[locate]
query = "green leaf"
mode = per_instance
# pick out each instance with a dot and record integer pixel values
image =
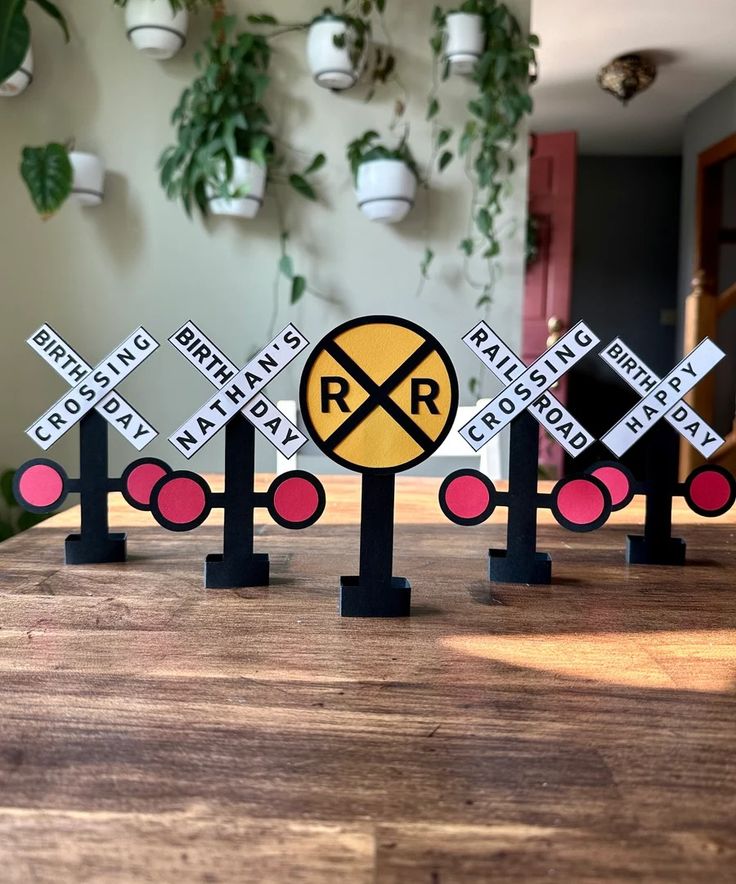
(53, 10)
(298, 287)
(467, 246)
(433, 108)
(445, 160)
(15, 37)
(6, 488)
(482, 301)
(286, 266)
(444, 136)
(303, 187)
(262, 20)
(316, 164)
(426, 262)
(47, 172)
(484, 221)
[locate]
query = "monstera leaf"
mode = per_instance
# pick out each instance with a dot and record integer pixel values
(15, 32)
(47, 172)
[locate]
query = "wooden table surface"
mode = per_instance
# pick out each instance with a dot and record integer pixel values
(152, 731)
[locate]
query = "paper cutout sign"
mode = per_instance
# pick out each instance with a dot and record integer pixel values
(680, 416)
(577, 504)
(182, 500)
(238, 392)
(92, 389)
(664, 399)
(660, 411)
(41, 485)
(378, 395)
(526, 388)
(65, 361)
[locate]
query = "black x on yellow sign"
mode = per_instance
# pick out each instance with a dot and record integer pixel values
(379, 394)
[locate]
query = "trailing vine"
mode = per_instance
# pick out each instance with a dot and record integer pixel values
(496, 112)
(222, 116)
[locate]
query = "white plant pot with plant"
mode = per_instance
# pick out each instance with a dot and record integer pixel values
(223, 147)
(336, 52)
(385, 179)
(245, 190)
(21, 79)
(16, 57)
(465, 40)
(54, 173)
(88, 178)
(155, 27)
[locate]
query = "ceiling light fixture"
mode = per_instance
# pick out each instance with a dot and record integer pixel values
(627, 76)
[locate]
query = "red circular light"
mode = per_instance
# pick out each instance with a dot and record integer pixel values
(616, 481)
(710, 491)
(41, 485)
(141, 480)
(581, 502)
(467, 497)
(296, 500)
(181, 500)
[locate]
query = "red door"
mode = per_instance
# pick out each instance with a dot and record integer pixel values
(552, 179)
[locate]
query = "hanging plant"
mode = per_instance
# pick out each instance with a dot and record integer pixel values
(54, 172)
(225, 151)
(340, 45)
(498, 65)
(385, 178)
(158, 28)
(15, 33)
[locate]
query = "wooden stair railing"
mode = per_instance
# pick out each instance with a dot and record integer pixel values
(703, 311)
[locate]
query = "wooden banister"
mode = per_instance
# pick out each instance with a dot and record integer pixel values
(726, 300)
(701, 321)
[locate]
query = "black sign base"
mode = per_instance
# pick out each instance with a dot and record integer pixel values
(529, 570)
(669, 551)
(234, 572)
(94, 550)
(360, 600)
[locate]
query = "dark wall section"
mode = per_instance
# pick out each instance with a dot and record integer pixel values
(625, 275)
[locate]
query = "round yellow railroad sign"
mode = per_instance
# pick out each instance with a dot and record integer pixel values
(379, 394)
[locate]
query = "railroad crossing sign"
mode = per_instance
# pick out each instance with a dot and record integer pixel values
(239, 390)
(508, 368)
(527, 387)
(181, 501)
(91, 387)
(524, 402)
(41, 485)
(708, 491)
(378, 395)
(662, 398)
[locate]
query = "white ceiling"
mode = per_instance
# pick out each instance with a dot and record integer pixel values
(693, 40)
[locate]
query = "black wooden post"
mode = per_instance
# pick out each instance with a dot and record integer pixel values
(375, 592)
(238, 565)
(520, 562)
(94, 544)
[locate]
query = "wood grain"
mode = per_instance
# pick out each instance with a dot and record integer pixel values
(154, 732)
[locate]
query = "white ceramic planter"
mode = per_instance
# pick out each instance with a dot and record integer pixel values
(386, 190)
(88, 184)
(465, 41)
(332, 66)
(21, 79)
(154, 29)
(248, 186)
